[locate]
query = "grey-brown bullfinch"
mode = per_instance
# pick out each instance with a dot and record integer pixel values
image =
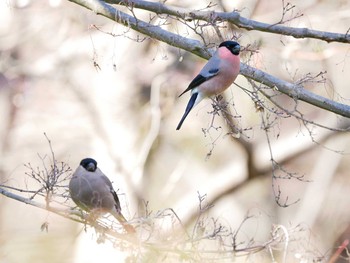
(93, 192)
(215, 77)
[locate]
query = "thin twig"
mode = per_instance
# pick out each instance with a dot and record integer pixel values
(295, 91)
(235, 18)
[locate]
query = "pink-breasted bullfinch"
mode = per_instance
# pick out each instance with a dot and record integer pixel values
(215, 77)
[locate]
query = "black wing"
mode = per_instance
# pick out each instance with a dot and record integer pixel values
(199, 79)
(116, 199)
(115, 196)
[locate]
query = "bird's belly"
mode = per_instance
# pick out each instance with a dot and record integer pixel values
(216, 85)
(89, 199)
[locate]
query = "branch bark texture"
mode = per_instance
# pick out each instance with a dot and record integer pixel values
(295, 91)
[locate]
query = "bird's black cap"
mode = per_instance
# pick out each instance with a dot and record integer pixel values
(89, 164)
(233, 46)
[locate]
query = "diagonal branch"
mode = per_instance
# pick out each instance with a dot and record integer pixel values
(66, 213)
(234, 18)
(29, 201)
(156, 32)
(297, 92)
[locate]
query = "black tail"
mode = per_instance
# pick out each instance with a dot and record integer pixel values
(188, 109)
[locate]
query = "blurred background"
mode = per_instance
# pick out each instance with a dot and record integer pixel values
(99, 90)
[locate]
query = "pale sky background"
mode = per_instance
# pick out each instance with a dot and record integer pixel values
(48, 83)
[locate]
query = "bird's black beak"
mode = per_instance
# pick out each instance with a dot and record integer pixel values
(91, 167)
(236, 49)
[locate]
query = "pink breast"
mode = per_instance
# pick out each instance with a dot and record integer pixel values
(229, 69)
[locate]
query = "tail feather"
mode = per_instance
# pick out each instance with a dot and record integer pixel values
(189, 107)
(128, 228)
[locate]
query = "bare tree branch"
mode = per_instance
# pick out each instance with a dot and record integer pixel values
(140, 26)
(235, 18)
(67, 213)
(295, 91)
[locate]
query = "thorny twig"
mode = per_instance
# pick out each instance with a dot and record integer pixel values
(206, 231)
(194, 46)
